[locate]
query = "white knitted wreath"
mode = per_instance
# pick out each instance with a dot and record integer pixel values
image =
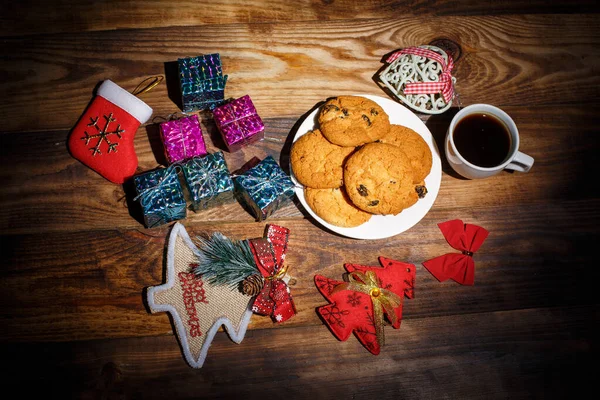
(410, 68)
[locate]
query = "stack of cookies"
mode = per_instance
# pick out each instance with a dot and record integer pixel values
(356, 164)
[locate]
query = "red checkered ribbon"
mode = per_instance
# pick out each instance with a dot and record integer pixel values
(444, 83)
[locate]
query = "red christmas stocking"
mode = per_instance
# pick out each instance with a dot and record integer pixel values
(102, 139)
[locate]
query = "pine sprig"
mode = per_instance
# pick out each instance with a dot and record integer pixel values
(222, 261)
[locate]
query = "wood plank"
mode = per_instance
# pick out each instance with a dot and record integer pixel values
(519, 354)
(44, 189)
(76, 260)
(526, 60)
(29, 17)
(90, 284)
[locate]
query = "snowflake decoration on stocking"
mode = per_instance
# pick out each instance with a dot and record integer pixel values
(102, 134)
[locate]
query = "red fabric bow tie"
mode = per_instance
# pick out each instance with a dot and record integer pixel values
(459, 267)
(269, 254)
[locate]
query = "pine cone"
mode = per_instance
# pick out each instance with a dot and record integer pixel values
(252, 285)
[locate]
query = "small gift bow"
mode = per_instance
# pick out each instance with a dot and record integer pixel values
(238, 112)
(444, 83)
(382, 299)
(267, 175)
(274, 298)
(182, 135)
(274, 182)
(459, 267)
(205, 176)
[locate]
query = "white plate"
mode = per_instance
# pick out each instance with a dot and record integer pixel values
(383, 226)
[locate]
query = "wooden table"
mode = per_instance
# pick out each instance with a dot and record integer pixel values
(75, 263)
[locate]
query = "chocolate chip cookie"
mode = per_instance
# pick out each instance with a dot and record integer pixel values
(316, 162)
(352, 121)
(379, 179)
(415, 148)
(334, 207)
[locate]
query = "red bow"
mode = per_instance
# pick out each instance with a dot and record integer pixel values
(444, 83)
(274, 298)
(459, 267)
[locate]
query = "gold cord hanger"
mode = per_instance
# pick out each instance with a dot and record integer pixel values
(154, 81)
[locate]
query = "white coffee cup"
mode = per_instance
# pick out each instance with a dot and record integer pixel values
(515, 160)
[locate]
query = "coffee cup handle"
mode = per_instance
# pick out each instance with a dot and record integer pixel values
(521, 162)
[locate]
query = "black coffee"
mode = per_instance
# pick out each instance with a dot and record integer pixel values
(482, 139)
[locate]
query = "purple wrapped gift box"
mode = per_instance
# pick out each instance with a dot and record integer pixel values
(183, 138)
(239, 123)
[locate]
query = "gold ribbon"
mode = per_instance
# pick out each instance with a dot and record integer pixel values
(155, 80)
(382, 299)
(279, 275)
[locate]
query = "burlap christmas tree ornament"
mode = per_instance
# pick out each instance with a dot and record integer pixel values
(197, 307)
